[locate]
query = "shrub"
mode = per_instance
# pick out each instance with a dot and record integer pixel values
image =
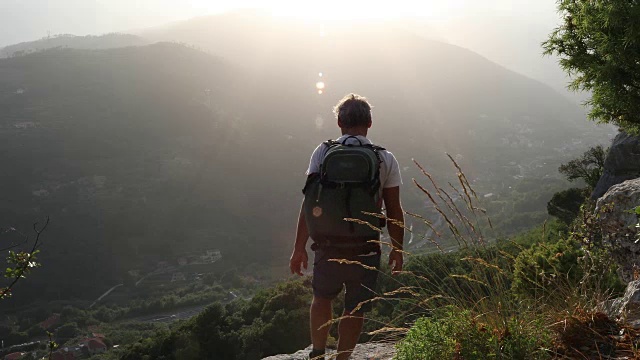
(453, 333)
(546, 268)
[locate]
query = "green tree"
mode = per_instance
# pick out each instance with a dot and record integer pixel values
(588, 167)
(565, 205)
(599, 45)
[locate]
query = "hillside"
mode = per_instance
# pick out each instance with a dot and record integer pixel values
(107, 41)
(140, 154)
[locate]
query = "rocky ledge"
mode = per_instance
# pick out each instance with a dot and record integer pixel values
(368, 351)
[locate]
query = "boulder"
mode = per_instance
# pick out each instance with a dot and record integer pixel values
(618, 222)
(622, 163)
(626, 308)
(367, 351)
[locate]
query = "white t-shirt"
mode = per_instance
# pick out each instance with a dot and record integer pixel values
(389, 168)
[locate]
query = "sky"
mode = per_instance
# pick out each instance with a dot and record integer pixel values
(25, 20)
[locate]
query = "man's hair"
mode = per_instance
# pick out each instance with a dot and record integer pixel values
(353, 111)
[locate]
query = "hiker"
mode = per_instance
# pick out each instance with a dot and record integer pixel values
(347, 178)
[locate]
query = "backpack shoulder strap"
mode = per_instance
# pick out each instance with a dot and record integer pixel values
(331, 143)
(376, 149)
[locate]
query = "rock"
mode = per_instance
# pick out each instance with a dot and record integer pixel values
(618, 222)
(626, 307)
(622, 163)
(367, 351)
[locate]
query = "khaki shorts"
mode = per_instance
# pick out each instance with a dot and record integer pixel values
(329, 278)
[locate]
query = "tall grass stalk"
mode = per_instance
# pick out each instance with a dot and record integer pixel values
(464, 297)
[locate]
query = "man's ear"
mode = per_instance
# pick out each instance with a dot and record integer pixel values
(369, 124)
(339, 123)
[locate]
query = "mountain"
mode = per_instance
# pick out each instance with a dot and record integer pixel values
(107, 41)
(514, 42)
(143, 153)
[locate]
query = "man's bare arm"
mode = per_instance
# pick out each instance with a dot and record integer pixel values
(299, 257)
(302, 233)
(395, 213)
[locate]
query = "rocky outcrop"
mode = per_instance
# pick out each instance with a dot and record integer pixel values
(368, 351)
(626, 308)
(622, 163)
(618, 222)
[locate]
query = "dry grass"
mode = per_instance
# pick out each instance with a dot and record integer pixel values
(484, 286)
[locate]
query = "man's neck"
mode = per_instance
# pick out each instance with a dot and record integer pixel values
(354, 131)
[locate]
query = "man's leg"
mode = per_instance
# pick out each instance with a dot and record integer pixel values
(320, 313)
(349, 331)
(358, 295)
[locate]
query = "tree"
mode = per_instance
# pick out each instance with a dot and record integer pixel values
(588, 167)
(599, 45)
(565, 205)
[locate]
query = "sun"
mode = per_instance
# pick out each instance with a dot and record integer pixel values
(340, 10)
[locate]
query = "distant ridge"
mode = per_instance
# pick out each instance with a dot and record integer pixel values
(107, 41)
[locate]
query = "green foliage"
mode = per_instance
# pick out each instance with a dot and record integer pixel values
(21, 263)
(588, 167)
(544, 269)
(68, 331)
(565, 205)
(453, 333)
(274, 321)
(598, 44)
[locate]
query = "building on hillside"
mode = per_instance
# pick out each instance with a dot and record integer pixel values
(14, 356)
(211, 256)
(50, 322)
(24, 125)
(93, 346)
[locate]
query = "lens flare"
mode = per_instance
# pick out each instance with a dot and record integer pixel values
(320, 85)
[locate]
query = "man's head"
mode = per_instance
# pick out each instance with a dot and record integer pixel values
(353, 112)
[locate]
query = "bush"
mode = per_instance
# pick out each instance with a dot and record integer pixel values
(546, 268)
(454, 333)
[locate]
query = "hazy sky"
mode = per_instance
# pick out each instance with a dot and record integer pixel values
(24, 20)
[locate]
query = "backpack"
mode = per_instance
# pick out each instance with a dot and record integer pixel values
(346, 187)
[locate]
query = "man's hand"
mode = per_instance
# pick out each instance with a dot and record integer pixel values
(299, 259)
(395, 260)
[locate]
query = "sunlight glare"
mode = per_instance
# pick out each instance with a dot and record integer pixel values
(334, 10)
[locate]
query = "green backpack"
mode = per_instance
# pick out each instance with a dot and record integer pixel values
(346, 187)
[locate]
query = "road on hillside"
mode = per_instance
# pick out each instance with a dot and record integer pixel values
(178, 314)
(170, 316)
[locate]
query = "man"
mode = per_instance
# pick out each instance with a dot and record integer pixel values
(353, 113)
